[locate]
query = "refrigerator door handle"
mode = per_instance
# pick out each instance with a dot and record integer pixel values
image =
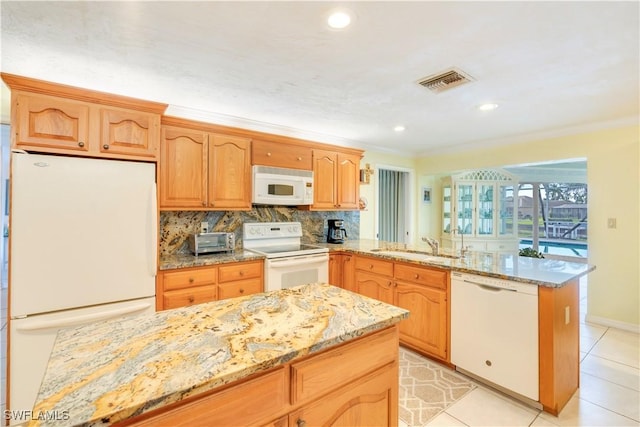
(83, 319)
(152, 250)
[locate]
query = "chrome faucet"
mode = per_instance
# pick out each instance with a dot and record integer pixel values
(463, 250)
(433, 243)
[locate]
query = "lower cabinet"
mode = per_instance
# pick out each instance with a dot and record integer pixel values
(424, 291)
(341, 270)
(353, 384)
(188, 286)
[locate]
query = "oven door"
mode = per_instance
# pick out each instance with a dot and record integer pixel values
(282, 273)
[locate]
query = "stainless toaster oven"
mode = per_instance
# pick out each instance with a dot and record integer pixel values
(206, 243)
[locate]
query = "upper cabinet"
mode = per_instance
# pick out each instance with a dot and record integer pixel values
(201, 170)
(52, 118)
(281, 155)
(479, 207)
(336, 177)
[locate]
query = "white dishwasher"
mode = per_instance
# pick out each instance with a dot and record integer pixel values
(494, 331)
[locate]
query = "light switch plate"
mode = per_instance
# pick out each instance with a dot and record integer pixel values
(611, 222)
(204, 227)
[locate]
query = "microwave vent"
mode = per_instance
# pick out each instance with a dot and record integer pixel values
(446, 80)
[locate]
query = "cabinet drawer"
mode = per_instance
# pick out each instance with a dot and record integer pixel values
(189, 278)
(239, 271)
(250, 403)
(240, 288)
(422, 275)
(373, 265)
(281, 155)
(189, 296)
(326, 372)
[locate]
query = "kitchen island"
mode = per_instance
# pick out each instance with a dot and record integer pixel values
(293, 354)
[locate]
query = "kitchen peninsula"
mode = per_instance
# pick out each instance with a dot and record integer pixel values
(302, 354)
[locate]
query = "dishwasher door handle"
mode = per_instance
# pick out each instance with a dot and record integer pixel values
(489, 287)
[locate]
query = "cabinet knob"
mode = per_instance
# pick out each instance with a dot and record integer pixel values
(417, 276)
(370, 266)
(191, 279)
(301, 422)
(191, 298)
(268, 154)
(105, 146)
(299, 158)
(80, 144)
(241, 291)
(241, 273)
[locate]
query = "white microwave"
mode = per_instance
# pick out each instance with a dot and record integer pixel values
(279, 186)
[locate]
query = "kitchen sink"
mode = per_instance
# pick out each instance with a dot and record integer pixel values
(415, 255)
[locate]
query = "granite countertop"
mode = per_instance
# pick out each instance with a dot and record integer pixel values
(112, 370)
(503, 265)
(168, 262)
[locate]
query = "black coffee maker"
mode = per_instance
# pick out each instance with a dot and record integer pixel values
(336, 232)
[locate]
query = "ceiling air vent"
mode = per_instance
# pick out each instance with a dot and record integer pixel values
(447, 80)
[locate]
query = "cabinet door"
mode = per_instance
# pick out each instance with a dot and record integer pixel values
(335, 269)
(325, 170)
(426, 328)
(485, 210)
(280, 155)
(348, 181)
(49, 123)
(348, 273)
(372, 401)
(129, 132)
(229, 172)
(183, 168)
(465, 206)
(374, 286)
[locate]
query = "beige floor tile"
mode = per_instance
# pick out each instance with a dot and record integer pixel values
(619, 346)
(592, 331)
(482, 407)
(614, 372)
(541, 421)
(445, 420)
(619, 399)
(579, 412)
(587, 343)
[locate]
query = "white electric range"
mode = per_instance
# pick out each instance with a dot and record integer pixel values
(288, 262)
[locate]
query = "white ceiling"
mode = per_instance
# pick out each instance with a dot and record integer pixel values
(554, 67)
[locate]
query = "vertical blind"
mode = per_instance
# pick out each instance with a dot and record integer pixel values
(391, 214)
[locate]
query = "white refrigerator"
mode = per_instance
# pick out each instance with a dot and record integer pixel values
(83, 247)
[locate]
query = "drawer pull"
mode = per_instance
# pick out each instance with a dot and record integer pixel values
(191, 280)
(241, 273)
(417, 276)
(80, 144)
(370, 266)
(191, 298)
(268, 154)
(105, 146)
(299, 158)
(301, 422)
(241, 291)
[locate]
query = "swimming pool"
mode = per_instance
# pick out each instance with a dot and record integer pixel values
(558, 248)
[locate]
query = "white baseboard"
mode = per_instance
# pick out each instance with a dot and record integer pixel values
(604, 321)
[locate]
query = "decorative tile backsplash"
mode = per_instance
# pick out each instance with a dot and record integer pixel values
(176, 226)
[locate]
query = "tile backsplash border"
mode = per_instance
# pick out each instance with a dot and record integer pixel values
(176, 226)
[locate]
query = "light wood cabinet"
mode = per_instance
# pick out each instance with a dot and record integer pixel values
(424, 291)
(183, 170)
(59, 119)
(281, 155)
(188, 286)
(336, 180)
(353, 384)
(341, 270)
(200, 170)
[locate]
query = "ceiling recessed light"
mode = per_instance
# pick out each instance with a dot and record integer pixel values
(339, 20)
(399, 128)
(487, 107)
